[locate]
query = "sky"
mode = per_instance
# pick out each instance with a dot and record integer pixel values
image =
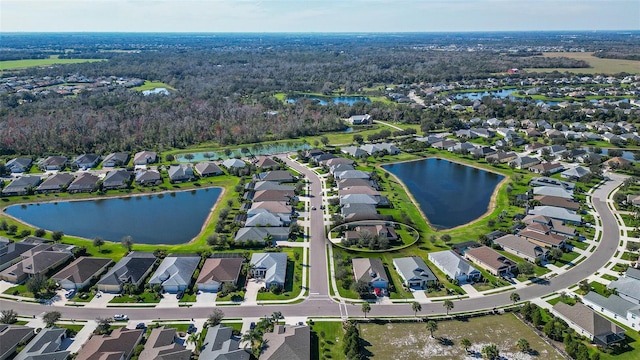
(316, 15)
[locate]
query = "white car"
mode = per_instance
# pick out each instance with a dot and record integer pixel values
(120, 317)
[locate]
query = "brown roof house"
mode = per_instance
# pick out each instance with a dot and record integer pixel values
(81, 272)
(115, 346)
(491, 260)
(161, 345)
(521, 247)
(144, 158)
(617, 162)
(587, 322)
(216, 271)
(372, 272)
(287, 342)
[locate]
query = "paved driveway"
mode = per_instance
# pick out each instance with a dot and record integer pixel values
(251, 295)
(205, 299)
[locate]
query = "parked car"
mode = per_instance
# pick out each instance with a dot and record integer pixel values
(120, 317)
(141, 326)
(313, 208)
(192, 328)
(70, 294)
(252, 325)
(180, 294)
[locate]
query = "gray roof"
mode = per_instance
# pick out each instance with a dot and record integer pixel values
(553, 191)
(56, 182)
(82, 269)
(175, 271)
(520, 245)
(632, 273)
(12, 251)
(355, 208)
(219, 344)
(116, 178)
(11, 335)
(275, 265)
(161, 345)
(626, 286)
(269, 185)
(208, 168)
(179, 172)
(576, 172)
(352, 174)
(587, 319)
(276, 175)
(358, 199)
(144, 157)
(260, 233)
(229, 163)
(556, 213)
(613, 303)
(287, 342)
(44, 346)
(263, 218)
(547, 181)
(452, 264)
(413, 268)
(54, 161)
(86, 159)
(85, 181)
(130, 268)
(21, 184)
(19, 163)
(147, 175)
(118, 158)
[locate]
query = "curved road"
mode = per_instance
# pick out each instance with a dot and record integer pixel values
(319, 303)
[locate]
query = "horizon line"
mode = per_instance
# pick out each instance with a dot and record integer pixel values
(318, 32)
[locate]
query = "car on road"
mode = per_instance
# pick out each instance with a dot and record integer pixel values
(313, 208)
(141, 326)
(120, 317)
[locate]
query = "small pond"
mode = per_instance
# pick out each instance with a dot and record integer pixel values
(448, 193)
(349, 100)
(262, 149)
(166, 218)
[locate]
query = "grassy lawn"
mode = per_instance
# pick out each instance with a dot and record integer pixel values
(598, 65)
(412, 341)
(579, 244)
(609, 277)
(74, 327)
(145, 297)
(566, 258)
(326, 340)
(19, 290)
(293, 284)
(52, 60)
(150, 85)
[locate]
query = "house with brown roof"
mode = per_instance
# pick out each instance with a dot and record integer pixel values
(502, 157)
(540, 234)
(287, 342)
(205, 169)
(548, 200)
(273, 195)
(617, 162)
(217, 271)
(521, 247)
(161, 345)
(145, 157)
(81, 272)
(590, 324)
(53, 163)
(491, 260)
(265, 162)
(275, 207)
(117, 345)
(372, 272)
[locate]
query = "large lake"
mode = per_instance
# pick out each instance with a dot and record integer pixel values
(449, 194)
(168, 218)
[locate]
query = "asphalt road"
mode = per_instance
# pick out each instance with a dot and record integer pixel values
(320, 305)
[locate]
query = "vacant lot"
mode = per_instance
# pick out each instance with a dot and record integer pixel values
(21, 64)
(598, 65)
(412, 340)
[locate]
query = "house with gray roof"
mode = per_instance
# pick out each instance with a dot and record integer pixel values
(148, 177)
(524, 162)
(120, 344)
(548, 181)
(265, 162)
(575, 173)
(45, 346)
(145, 158)
(174, 272)
(557, 213)
(352, 174)
(267, 185)
(270, 266)
(86, 161)
(553, 191)
(217, 271)
(85, 182)
(590, 324)
(358, 199)
(21, 185)
(162, 345)
(547, 168)
(454, 266)
(116, 179)
(380, 147)
(38, 260)
(19, 165)
(372, 272)
(53, 163)
(11, 252)
(340, 167)
(115, 159)
(414, 272)
(520, 247)
(233, 163)
(276, 175)
(357, 208)
(55, 183)
(131, 269)
(180, 173)
(354, 151)
(628, 286)
(220, 344)
(287, 342)
(81, 272)
(360, 119)
(615, 308)
(206, 169)
(263, 218)
(259, 234)
(11, 336)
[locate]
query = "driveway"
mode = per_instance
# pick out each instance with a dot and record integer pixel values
(205, 299)
(251, 295)
(168, 301)
(420, 296)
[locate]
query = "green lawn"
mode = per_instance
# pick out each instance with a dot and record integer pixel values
(326, 340)
(293, 284)
(53, 60)
(145, 297)
(150, 85)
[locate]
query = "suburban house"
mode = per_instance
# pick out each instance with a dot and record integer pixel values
(38, 260)
(521, 247)
(19, 165)
(590, 324)
(540, 235)
(575, 173)
(233, 163)
(360, 119)
(81, 272)
(261, 234)
(205, 169)
(275, 207)
(338, 161)
(544, 181)
(546, 200)
(547, 168)
(352, 174)
(454, 266)
(263, 218)
(502, 157)
(148, 177)
(145, 158)
(115, 159)
(11, 252)
(380, 147)
(550, 225)
(180, 173)
(276, 175)
(266, 185)
(287, 342)
(265, 162)
(216, 271)
(11, 336)
(628, 286)
(272, 267)
(53, 163)
(55, 183)
(131, 269)
(161, 345)
(553, 191)
(117, 345)
(557, 213)
(491, 260)
(414, 272)
(220, 344)
(85, 182)
(371, 271)
(116, 179)
(283, 218)
(22, 185)
(86, 161)
(45, 346)
(354, 151)
(633, 199)
(614, 307)
(524, 162)
(174, 272)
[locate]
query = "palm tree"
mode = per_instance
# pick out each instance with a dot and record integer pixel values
(515, 297)
(432, 327)
(193, 339)
(366, 308)
(466, 344)
(415, 306)
(490, 352)
(253, 337)
(448, 304)
(523, 345)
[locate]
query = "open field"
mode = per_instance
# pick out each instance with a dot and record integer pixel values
(412, 340)
(598, 65)
(150, 85)
(53, 60)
